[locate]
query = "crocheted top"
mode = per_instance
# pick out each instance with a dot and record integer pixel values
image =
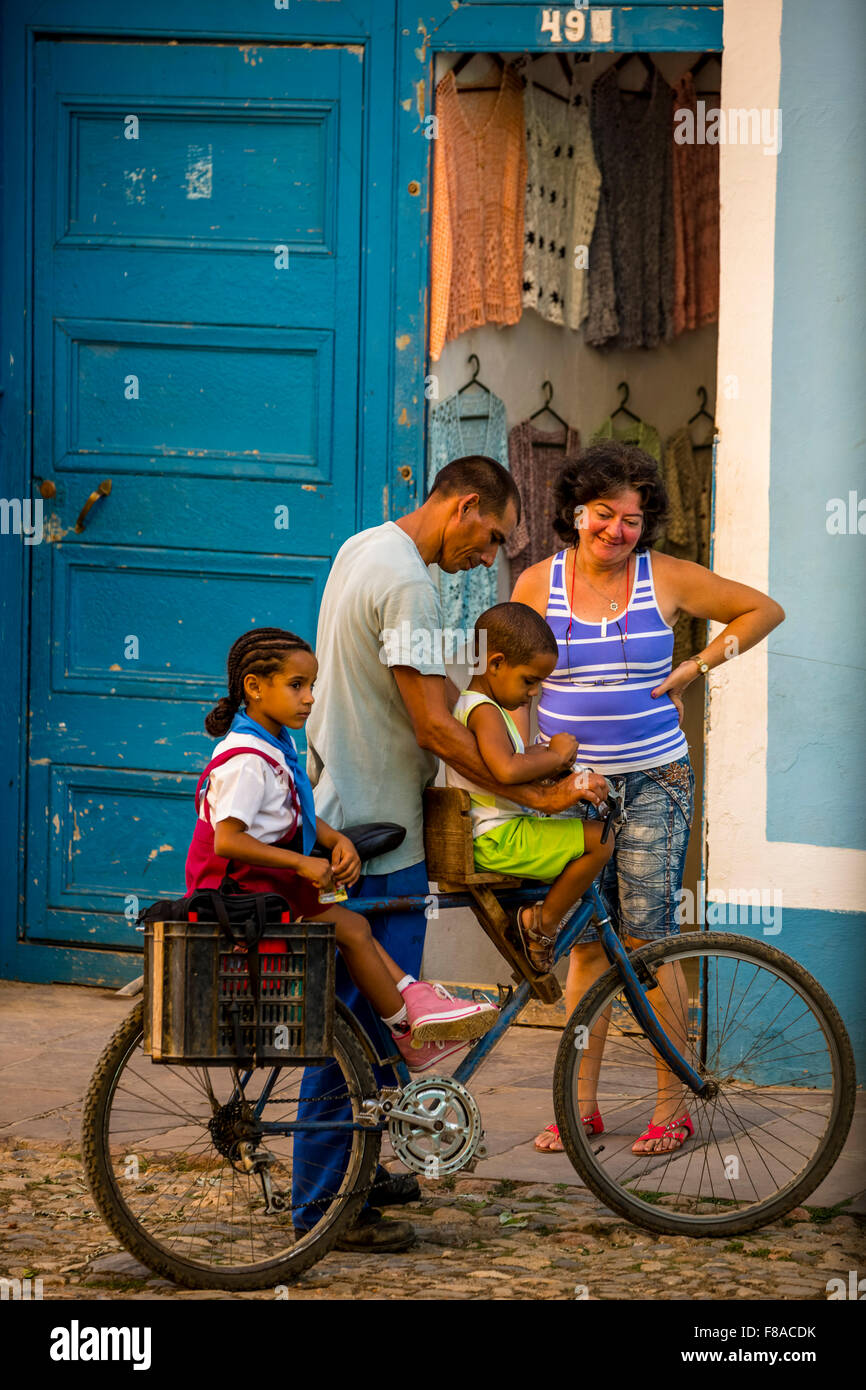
(696, 223)
(457, 428)
(536, 463)
(479, 187)
(632, 432)
(631, 261)
(686, 470)
(562, 191)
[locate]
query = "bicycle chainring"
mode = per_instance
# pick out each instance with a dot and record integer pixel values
(457, 1137)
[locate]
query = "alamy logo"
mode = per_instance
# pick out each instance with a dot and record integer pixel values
(77, 1343)
(18, 1289)
(22, 517)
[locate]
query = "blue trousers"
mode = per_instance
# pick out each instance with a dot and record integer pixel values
(320, 1157)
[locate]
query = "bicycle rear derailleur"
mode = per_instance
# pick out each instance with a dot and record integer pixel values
(434, 1125)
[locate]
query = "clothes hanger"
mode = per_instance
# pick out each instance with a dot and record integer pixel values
(702, 62)
(465, 59)
(702, 397)
(545, 385)
(621, 408)
(473, 381)
(649, 65)
(573, 100)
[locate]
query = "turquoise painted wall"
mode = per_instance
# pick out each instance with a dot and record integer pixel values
(816, 790)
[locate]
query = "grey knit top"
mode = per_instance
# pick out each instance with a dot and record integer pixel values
(631, 259)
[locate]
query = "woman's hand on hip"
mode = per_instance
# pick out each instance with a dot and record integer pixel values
(675, 684)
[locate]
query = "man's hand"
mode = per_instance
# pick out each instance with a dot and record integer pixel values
(565, 747)
(345, 862)
(581, 786)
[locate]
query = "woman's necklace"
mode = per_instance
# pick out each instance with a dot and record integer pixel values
(614, 603)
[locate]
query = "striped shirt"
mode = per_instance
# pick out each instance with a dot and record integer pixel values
(619, 727)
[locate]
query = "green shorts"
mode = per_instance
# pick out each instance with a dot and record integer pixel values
(530, 847)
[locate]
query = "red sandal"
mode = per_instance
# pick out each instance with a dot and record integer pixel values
(592, 1124)
(668, 1131)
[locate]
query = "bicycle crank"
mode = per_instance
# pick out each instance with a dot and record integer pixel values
(435, 1129)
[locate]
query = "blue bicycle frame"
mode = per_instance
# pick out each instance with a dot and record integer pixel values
(590, 906)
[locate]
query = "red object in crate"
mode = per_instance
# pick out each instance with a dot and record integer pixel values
(271, 947)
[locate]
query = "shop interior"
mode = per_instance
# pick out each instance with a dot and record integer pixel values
(545, 372)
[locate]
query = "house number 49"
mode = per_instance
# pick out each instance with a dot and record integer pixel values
(574, 22)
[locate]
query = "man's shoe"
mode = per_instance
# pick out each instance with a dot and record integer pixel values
(370, 1235)
(393, 1189)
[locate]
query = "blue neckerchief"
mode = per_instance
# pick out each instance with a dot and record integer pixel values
(242, 724)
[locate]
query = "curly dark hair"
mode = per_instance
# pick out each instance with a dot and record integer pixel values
(603, 470)
(260, 652)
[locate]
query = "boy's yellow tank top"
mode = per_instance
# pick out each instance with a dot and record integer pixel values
(488, 811)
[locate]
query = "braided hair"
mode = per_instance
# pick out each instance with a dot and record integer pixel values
(260, 652)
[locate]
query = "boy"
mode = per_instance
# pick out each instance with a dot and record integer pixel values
(521, 654)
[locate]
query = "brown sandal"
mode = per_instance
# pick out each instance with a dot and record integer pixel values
(537, 945)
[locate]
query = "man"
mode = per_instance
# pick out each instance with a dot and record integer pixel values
(382, 718)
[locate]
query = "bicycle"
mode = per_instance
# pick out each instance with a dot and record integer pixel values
(195, 1181)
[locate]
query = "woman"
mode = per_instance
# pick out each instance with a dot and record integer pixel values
(612, 604)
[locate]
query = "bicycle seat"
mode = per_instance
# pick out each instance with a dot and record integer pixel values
(370, 839)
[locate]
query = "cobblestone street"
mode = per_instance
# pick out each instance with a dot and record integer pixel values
(498, 1234)
(481, 1239)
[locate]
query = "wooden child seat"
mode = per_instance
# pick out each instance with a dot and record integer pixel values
(451, 865)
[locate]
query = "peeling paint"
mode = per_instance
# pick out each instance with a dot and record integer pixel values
(403, 418)
(403, 341)
(55, 820)
(420, 97)
(407, 104)
(385, 502)
(309, 487)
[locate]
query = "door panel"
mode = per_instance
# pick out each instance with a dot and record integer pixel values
(217, 390)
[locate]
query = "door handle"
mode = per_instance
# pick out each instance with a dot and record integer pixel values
(102, 491)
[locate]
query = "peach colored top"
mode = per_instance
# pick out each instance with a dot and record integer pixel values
(479, 187)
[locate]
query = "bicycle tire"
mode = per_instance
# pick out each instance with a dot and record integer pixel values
(579, 1147)
(121, 1221)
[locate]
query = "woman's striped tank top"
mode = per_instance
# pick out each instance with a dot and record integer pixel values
(619, 727)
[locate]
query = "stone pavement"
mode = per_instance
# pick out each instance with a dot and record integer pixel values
(521, 1227)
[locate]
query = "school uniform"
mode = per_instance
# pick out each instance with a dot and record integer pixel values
(254, 777)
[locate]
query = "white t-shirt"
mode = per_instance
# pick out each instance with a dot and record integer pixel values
(380, 609)
(246, 788)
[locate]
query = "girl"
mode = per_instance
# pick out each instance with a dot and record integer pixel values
(258, 821)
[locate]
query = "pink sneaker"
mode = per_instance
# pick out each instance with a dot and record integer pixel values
(434, 1014)
(431, 1054)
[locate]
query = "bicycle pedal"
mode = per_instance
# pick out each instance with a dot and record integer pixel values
(645, 975)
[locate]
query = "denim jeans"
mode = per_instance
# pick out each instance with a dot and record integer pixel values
(641, 881)
(320, 1157)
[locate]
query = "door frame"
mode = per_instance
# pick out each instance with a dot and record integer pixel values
(23, 23)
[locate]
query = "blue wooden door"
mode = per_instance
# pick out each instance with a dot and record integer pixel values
(196, 329)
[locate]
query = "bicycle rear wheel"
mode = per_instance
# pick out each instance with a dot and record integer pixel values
(772, 1042)
(190, 1185)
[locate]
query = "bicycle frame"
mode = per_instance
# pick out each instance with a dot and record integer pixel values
(590, 906)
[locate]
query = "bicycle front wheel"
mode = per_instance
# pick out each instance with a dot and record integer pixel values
(192, 1185)
(768, 1037)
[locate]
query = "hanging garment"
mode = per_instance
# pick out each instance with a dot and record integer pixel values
(536, 463)
(631, 260)
(562, 192)
(632, 432)
(479, 187)
(687, 475)
(454, 433)
(696, 221)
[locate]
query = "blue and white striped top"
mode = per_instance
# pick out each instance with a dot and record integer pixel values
(620, 728)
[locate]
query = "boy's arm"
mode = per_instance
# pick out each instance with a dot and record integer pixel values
(437, 731)
(498, 752)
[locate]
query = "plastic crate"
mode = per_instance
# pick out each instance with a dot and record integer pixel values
(199, 1006)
